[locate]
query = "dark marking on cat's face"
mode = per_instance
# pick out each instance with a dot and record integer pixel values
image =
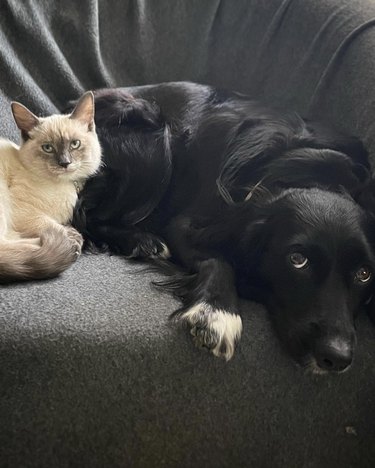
(63, 145)
(64, 151)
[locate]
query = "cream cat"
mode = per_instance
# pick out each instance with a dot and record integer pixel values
(38, 190)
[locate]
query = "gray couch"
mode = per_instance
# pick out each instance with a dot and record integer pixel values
(92, 373)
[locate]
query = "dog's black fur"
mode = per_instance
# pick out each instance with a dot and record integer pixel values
(242, 195)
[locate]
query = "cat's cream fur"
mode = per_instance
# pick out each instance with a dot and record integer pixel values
(38, 190)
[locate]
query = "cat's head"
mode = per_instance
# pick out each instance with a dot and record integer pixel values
(63, 146)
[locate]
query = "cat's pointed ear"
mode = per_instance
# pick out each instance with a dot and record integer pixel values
(24, 118)
(84, 110)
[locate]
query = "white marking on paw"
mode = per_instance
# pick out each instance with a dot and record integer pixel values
(225, 326)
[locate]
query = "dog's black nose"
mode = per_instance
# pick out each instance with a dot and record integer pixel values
(334, 354)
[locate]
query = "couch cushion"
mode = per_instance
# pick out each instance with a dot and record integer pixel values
(94, 374)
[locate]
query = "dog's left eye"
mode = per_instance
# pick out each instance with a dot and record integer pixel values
(363, 275)
(298, 260)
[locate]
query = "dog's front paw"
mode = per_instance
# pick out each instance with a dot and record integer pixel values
(212, 328)
(149, 246)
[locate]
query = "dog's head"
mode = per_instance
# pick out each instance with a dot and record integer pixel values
(312, 251)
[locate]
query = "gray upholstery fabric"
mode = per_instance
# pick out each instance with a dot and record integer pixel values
(92, 374)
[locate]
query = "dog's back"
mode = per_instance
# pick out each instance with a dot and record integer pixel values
(195, 141)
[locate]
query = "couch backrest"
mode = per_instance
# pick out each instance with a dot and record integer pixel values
(316, 56)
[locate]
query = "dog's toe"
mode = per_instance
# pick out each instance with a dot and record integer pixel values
(205, 337)
(215, 329)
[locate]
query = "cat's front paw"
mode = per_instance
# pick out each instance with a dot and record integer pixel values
(76, 239)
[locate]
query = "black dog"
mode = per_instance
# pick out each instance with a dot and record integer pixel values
(249, 200)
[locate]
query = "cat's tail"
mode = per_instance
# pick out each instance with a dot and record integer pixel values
(23, 260)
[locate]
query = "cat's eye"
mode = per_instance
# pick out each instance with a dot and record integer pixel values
(47, 148)
(75, 144)
(363, 275)
(298, 260)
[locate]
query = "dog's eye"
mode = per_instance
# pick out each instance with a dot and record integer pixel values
(298, 260)
(363, 275)
(75, 144)
(47, 148)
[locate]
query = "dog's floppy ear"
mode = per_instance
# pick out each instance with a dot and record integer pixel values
(254, 237)
(252, 145)
(255, 227)
(286, 153)
(321, 136)
(311, 167)
(249, 252)
(239, 230)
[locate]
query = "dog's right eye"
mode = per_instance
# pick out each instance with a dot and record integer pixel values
(363, 275)
(298, 260)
